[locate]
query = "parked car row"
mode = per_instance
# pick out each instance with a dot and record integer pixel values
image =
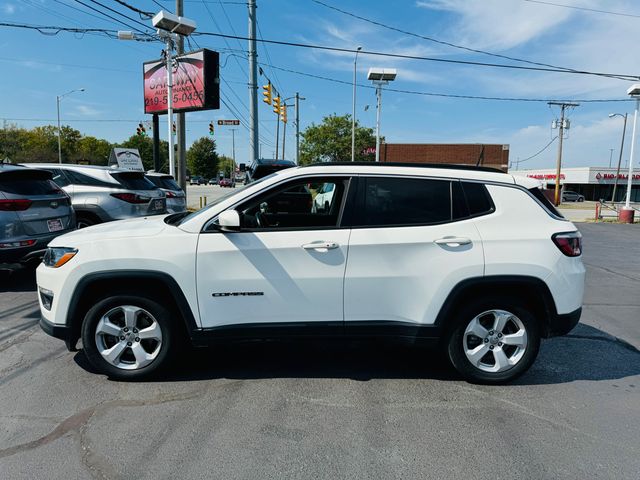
(40, 201)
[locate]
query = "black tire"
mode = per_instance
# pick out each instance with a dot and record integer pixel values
(455, 347)
(159, 313)
(83, 221)
(580, 199)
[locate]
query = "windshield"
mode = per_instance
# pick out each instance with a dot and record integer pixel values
(180, 218)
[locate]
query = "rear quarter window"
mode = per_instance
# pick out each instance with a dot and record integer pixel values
(546, 204)
(478, 199)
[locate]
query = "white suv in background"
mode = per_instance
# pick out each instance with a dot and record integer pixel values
(472, 259)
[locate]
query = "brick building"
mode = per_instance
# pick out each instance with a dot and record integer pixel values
(496, 156)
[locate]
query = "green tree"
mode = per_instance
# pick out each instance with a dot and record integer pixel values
(202, 158)
(226, 165)
(144, 145)
(95, 150)
(331, 141)
(13, 142)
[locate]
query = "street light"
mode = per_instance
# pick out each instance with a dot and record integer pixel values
(353, 114)
(58, 98)
(624, 129)
(169, 26)
(626, 214)
(380, 77)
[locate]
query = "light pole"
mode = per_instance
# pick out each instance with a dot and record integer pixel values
(624, 129)
(169, 26)
(353, 114)
(626, 214)
(58, 98)
(380, 77)
(610, 156)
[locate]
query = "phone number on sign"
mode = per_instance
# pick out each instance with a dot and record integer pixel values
(185, 97)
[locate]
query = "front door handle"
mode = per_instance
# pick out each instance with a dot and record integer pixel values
(453, 241)
(320, 246)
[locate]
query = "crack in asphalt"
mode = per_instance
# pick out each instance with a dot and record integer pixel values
(77, 424)
(18, 339)
(613, 272)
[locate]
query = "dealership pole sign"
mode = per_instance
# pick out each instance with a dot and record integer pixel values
(196, 83)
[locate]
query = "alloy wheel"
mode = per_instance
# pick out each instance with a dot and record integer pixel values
(128, 337)
(495, 341)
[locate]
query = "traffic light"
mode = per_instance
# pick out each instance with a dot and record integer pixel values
(211, 128)
(283, 113)
(276, 105)
(141, 130)
(267, 93)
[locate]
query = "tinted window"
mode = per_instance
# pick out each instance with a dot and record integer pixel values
(536, 192)
(293, 206)
(478, 198)
(134, 181)
(25, 182)
(164, 182)
(403, 201)
(78, 178)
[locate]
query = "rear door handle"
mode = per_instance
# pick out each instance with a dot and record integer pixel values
(320, 246)
(453, 241)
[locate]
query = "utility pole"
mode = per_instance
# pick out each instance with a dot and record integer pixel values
(156, 142)
(610, 156)
(615, 185)
(253, 83)
(298, 98)
(563, 106)
(233, 145)
(181, 130)
(284, 134)
(277, 134)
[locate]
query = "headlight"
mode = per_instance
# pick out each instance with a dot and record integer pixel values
(57, 256)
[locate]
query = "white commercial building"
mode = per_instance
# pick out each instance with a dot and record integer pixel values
(594, 183)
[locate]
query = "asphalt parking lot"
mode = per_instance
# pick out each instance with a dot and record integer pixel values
(334, 411)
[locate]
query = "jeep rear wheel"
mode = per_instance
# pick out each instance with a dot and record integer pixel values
(494, 341)
(127, 337)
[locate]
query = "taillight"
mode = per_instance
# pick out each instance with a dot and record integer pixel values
(131, 197)
(21, 243)
(15, 205)
(569, 243)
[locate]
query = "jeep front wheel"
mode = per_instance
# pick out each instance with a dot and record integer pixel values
(127, 337)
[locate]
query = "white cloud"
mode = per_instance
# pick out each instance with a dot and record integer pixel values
(87, 110)
(8, 8)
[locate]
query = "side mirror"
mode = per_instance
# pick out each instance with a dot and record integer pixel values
(229, 221)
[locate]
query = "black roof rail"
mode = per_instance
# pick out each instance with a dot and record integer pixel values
(445, 166)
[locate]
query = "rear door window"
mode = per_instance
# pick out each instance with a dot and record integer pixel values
(397, 201)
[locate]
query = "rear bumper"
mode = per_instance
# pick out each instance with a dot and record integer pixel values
(33, 252)
(564, 323)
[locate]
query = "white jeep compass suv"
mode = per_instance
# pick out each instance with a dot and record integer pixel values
(475, 260)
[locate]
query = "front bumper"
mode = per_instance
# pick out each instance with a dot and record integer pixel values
(564, 323)
(62, 332)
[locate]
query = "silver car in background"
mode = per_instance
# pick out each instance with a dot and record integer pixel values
(176, 198)
(103, 194)
(33, 211)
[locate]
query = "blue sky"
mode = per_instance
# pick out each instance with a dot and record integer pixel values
(36, 68)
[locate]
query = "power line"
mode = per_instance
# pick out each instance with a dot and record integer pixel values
(111, 17)
(142, 13)
(574, 7)
(434, 94)
(539, 152)
(434, 40)
(625, 77)
(119, 13)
